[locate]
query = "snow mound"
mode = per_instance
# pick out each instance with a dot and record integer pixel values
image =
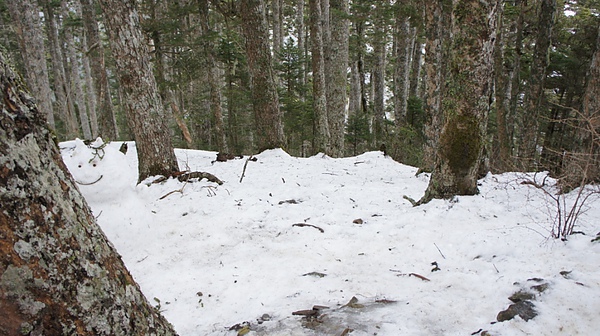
(100, 169)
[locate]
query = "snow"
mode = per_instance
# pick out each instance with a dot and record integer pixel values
(213, 256)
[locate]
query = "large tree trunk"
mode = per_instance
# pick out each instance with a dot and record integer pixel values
(59, 275)
(321, 126)
(534, 96)
(265, 100)
(107, 124)
(437, 24)
(143, 106)
(466, 101)
(336, 74)
(26, 18)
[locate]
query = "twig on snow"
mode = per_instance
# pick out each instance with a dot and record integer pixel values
(246, 164)
(304, 224)
(439, 250)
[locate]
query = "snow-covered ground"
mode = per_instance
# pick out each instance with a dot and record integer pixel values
(218, 256)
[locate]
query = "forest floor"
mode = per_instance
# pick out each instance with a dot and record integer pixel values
(230, 259)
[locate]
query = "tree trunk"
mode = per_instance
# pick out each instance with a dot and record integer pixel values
(500, 156)
(379, 53)
(437, 25)
(300, 36)
(321, 126)
(588, 169)
(277, 13)
(91, 99)
(402, 69)
(336, 74)
(515, 77)
(534, 96)
(143, 106)
(466, 101)
(355, 101)
(25, 16)
(75, 79)
(213, 77)
(107, 123)
(64, 103)
(415, 72)
(265, 100)
(59, 275)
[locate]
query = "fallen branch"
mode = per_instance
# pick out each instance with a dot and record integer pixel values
(419, 276)
(304, 224)
(199, 175)
(172, 192)
(250, 158)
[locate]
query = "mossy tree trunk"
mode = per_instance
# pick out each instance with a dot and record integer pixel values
(59, 275)
(143, 106)
(466, 101)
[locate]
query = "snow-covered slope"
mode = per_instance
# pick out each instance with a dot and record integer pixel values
(215, 256)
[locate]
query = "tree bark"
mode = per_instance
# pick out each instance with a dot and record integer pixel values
(500, 157)
(265, 100)
(59, 275)
(466, 101)
(321, 126)
(91, 99)
(75, 79)
(64, 103)
(213, 77)
(107, 123)
(534, 96)
(336, 74)
(143, 106)
(379, 66)
(437, 24)
(25, 16)
(402, 67)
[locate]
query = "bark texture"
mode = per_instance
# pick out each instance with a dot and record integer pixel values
(534, 97)
(143, 106)
(437, 24)
(107, 123)
(25, 16)
(336, 74)
(267, 115)
(321, 126)
(466, 101)
(404, 43)
(59, 275)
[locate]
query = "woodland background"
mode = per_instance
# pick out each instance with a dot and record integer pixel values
(349, 75)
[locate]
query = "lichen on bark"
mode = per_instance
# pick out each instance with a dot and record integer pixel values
(58, 272)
